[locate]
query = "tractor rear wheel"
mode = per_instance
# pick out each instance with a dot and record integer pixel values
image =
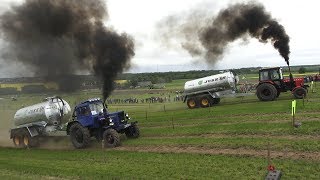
(266, 92)
(299, 93)
(133, 131)
(79, 135)
(111, 138)
(205, 101)
(192, 103)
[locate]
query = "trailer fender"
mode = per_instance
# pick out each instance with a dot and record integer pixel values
(32, 130)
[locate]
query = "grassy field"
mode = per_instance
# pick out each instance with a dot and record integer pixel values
(227, 141)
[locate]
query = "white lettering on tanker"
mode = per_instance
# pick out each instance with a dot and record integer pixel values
(40, 109)
(216, 79)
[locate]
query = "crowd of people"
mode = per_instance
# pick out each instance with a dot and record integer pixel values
(153, 99)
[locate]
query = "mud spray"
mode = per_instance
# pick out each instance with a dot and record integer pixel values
(208, 37)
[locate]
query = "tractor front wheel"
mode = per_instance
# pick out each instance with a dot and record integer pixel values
(111, 138)
(266, 92)
(299, 93)
(133, 131)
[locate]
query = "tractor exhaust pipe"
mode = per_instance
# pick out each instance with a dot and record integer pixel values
(290, 74)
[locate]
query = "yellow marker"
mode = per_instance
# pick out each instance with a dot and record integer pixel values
(293, 111)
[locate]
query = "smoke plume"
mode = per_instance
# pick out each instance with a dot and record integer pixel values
(58, 38)
(238, 21)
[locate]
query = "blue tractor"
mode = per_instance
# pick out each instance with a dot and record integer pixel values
(91, 119)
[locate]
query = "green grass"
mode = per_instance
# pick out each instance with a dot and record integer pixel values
(100, 164)
(233, 142)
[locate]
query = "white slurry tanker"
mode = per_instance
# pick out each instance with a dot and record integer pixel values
(207, 91)
(38, 120)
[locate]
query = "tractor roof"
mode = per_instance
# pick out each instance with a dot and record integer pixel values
(89, 101)
(262, 69)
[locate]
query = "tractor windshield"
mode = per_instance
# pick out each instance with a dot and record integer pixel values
(96, 108)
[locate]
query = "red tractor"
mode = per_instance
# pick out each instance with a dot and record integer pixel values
(272, 83)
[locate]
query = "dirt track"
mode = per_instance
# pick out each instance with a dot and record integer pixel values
(223, 151)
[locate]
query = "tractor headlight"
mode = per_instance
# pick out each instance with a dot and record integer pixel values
(127, 116)
(111, 123)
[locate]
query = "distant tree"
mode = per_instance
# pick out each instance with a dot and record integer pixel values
(302, 70)
(133, 82)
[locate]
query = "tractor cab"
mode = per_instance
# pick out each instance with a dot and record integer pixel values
(275, 77)
(91, 113)
(271, 74)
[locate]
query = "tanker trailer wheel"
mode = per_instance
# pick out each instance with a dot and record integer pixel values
(111, 138)
(266, 92)
(133, 131)
(28, 141)
(192, 103)
(205, 101)
(216, 101)
(79, 135)
(299, 93)
(17, 139)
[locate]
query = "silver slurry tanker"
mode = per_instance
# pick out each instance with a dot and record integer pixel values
(39, 120)
(207, 91)
(48, 111)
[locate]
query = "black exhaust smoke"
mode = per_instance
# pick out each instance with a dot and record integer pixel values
(58, 38)
(235, 22)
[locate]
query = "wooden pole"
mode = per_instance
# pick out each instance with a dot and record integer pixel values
(269, 156)
(293, 116)
(172, 122)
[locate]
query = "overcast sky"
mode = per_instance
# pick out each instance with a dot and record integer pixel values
(139, 18)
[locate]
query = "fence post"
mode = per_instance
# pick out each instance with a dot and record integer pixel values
(146, 115)
(172, 122)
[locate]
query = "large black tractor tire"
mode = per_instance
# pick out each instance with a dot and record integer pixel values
(205, 101)
(278, 93)
(111, 138)
(266, 92)
(79, 136)
(300, 93)
(133, 131)
(192, 103)
(28, 141)
(17, 139)
(216, 100)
